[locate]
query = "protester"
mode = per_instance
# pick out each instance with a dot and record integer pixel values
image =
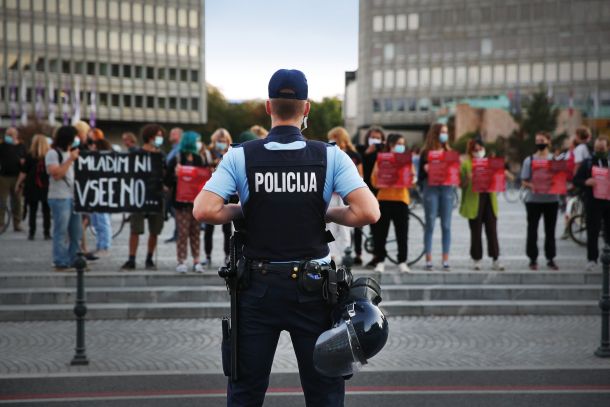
(175, 135)
(259, 131)
(219, 144)
(130, 142)
(67, 226)
(83, 129)
(101, 221)
(153, 137)
(583, 150)
(438, 199)
(188, 227)
(373, 140)
(597, 210)
(342, 234)
(394, 207)
(12, 156)
(540, 205)
(35, 183)
(480, 208)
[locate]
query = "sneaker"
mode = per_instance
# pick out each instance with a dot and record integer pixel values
(150, 265)
(591, 266)
(476, 265)
(198, 268)
(429, 266)
(170, 240)
(497, 266)
(380, 267)
(533, 266)
(403, 267)
(129, 265)
(446, 266)
(181, 268)
(552, 265)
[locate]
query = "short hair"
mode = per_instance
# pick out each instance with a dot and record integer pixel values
(544, 134)
(149, 131)
(286, 109)
(82, 127)
(583, 133)
(64, 137)
(130, 136)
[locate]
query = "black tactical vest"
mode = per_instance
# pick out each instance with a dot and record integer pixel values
(284, 214)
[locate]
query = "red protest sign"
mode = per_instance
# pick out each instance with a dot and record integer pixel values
(488, 175)
(601, 190)
(190, 181)
(394, 170)
(443, 168)
(549, 176)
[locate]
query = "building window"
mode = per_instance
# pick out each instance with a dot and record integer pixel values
(64, 6)
(172, 74)
(551, 72)
(388, 79)
(182, 18)
(40, 62)
(448, 76)
(564, 71)
(89, 38)
(114, 100)
(161, 73)
(460, 76)
(193, 19)
(115, 70)
(400, 104)
(193, 50)
(150, 72)
(53, 66)
(437, 77)
(378, 23)
(592, 72)
(126, 11)
(388, 105)
(511, 73)
(150, 102)
(90, 68)
(103, 99)
(102, 39)
(173, 102)
(184, 75)
(413, 21)
(486, 46)
(24, 32)
(149, 14)
(65, 66)
(101, 8)
(161, 102)
(137, 42)
(77, 8)
(38, 33)
(376, 106)
(524, 73)
(126, 100)
(113, 38)
(51, 34)
(401, 22)
(171, 16)
(171, 48)
(137, 12)
(77, 37)
(149, 44)
(424, 77)
(138, 72)
(113, 10)
(160, 15)
(499, 74)
(401, 78)
(126, 42)
(605, 65)
(377, 79)
(578, 71)
(537, 72)
(485, 75)
(473, 75)
(160, 46)
(184, 103)
(103, 69)
(182, 49)
(389, 22)
(388, 52)
(126, 71)
(139, 101)
(194, 75)
(412, 78)
(194, 103)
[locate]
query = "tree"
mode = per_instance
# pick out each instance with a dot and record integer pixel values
(324, 116)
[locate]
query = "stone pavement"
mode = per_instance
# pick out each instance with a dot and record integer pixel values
(44, 349)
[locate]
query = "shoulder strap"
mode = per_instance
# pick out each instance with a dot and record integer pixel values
(60, 157)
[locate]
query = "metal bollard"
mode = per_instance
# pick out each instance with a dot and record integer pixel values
(604, 303)
(347, 260)
(80, 310)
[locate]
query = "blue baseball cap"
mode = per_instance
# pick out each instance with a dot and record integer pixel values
(288, 84)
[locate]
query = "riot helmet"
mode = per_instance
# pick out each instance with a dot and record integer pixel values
(359, 331)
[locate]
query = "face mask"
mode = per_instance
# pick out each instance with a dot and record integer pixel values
(76, 142)
(399, 148)
(221, 146)
(158, 141)
(374, 141)
(541, 147)
(304, 123)
(480, 154)
(199, 145)
(444, 137)
(8, 139)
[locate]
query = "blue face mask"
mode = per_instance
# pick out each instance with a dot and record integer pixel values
(158, 141)
(76, 142)
(399, 148)
(444, 137)
(8, 139)
(221, 146)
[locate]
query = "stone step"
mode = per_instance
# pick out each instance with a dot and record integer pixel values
(211, 294)
(164, 278)
(219, 309)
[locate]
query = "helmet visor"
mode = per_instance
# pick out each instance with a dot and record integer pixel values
(337, 352)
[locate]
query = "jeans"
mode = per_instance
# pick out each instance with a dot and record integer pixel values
(67, 231)
(438, 201)
(103, 230)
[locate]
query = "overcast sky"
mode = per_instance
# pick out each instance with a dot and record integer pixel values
(247, 40)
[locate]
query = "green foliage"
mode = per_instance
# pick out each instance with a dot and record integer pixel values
(323, 116)
(461, 143)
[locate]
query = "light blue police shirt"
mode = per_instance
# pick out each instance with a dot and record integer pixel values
(230, 176)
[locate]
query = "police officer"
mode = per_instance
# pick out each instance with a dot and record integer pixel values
(284, 183)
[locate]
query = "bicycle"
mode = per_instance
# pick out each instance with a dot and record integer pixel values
(415, 246)
(513, 191)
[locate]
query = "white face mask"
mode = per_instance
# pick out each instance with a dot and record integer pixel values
(373, 141)
(304, 123)
(480, 154)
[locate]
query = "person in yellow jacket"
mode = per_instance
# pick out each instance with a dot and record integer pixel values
(480, 209)
(394, 207)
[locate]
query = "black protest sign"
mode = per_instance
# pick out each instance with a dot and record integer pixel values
(108, 181)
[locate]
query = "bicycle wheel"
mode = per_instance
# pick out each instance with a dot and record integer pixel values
(415, 245)
(369, 245)
(577, 228)
(125, 218)
(511, 193)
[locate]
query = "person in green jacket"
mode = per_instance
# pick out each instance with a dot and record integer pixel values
(480, 209)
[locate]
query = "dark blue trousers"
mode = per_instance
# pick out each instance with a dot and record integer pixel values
(270, 305)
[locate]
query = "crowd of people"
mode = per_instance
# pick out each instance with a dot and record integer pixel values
(42, 175)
